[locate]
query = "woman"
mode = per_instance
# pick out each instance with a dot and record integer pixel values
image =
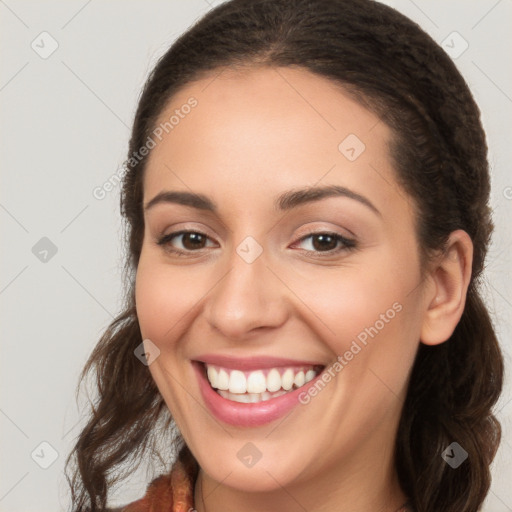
(307, 204)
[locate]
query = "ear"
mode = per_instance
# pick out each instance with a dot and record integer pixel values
(446, 297)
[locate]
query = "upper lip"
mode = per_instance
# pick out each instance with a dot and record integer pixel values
(254, 362)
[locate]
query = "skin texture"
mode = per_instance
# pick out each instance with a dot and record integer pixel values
(255, 134)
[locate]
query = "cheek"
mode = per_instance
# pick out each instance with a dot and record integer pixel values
(164, 298)
(370, 318)
(350, 301)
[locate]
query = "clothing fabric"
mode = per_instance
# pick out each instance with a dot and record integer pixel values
(175, 492)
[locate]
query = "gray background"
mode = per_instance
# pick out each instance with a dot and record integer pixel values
(65, 127)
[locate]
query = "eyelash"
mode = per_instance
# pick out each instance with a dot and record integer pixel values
(347, 243)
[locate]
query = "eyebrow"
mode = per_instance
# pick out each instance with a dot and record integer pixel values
(287, 201)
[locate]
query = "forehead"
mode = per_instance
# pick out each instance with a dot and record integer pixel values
(281, 127)
(272, 101)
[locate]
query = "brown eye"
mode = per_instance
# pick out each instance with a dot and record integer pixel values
(184, 241)
(326, 243)
(191, 241)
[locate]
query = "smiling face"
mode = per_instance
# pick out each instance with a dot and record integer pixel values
(276, 283)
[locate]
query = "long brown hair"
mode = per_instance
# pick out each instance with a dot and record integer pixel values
(398, 72)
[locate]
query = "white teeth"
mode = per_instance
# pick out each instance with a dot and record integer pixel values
(222, 380)
(273, 380)
(250, 398)
(212, 376)
(255, 386)
(256, 382)
(310, 375)
(237, 382)
(287, 379)
(299, 379)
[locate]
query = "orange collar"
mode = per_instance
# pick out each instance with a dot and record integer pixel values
(170, 493)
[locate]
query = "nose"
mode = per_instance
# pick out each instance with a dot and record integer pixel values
(248, 297)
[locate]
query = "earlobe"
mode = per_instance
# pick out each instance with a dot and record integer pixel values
(450, 278)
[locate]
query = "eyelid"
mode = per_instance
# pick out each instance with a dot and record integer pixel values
(320, 227)
(185, 227)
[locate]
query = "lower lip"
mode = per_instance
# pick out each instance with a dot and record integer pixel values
(247, 415)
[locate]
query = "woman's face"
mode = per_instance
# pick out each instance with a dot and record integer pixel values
(302, 257)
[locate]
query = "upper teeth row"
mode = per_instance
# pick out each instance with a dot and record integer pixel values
(236, 381)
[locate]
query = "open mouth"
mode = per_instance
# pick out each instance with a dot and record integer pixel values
(258, 385)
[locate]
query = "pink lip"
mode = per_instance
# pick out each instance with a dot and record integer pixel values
(253, 363)
(247, 415)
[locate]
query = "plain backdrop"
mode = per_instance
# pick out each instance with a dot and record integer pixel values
(70, 76)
